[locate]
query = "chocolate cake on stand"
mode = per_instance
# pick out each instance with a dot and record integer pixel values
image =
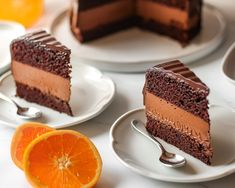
(178, 19)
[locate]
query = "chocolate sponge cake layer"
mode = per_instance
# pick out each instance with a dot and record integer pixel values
(191, 5)
(184, 36)
(41, 50)
(199, 149)
(178, 85)
(34, 95)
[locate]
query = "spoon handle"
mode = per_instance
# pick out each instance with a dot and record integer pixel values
(140, 127)
(5, 98)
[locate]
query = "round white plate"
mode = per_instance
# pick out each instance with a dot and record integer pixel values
(92, 92)
(228, 64)
(8, 31)
(136, 50)
(140, 155)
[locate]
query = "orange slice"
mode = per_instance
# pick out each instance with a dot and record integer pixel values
(23, 135)
(62, 159)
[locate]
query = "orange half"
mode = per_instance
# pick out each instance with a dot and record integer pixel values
(62, 159)
(23, 136)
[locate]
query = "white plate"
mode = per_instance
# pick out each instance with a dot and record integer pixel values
(92, 92)
(140, 155)
(135, 50)
(228, 64)
(8, 31)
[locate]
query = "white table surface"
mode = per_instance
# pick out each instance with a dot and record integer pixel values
(128, 97)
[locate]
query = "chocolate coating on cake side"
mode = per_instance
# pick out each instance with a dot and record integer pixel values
(178, 85)
(41, 50)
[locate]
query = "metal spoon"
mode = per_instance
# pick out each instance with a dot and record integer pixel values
(167, 159)
(23, 112)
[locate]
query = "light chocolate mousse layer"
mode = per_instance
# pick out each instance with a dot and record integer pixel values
(179, 119)
(105, 14)
(168, 15)
(48, 83)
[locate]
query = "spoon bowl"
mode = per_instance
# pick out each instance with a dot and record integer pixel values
(29, 113)
(23, 112)
(168, 159)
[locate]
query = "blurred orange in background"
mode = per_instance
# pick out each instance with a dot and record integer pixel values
(27, 12)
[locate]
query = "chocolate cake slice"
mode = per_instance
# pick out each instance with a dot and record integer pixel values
(41, 70)
(176, 107)
(179, 19)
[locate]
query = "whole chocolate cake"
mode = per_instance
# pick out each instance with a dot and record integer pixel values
(41, 70)
(179, 19)
(176, 106)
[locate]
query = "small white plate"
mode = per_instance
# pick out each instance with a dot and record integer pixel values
(135, 50)
(228, 64)
(140, 155)
(8, 31)
(92, 92)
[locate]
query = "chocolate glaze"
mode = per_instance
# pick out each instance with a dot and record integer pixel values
(178, 85)
(178, 69)
(41, 50)
(199, 149)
